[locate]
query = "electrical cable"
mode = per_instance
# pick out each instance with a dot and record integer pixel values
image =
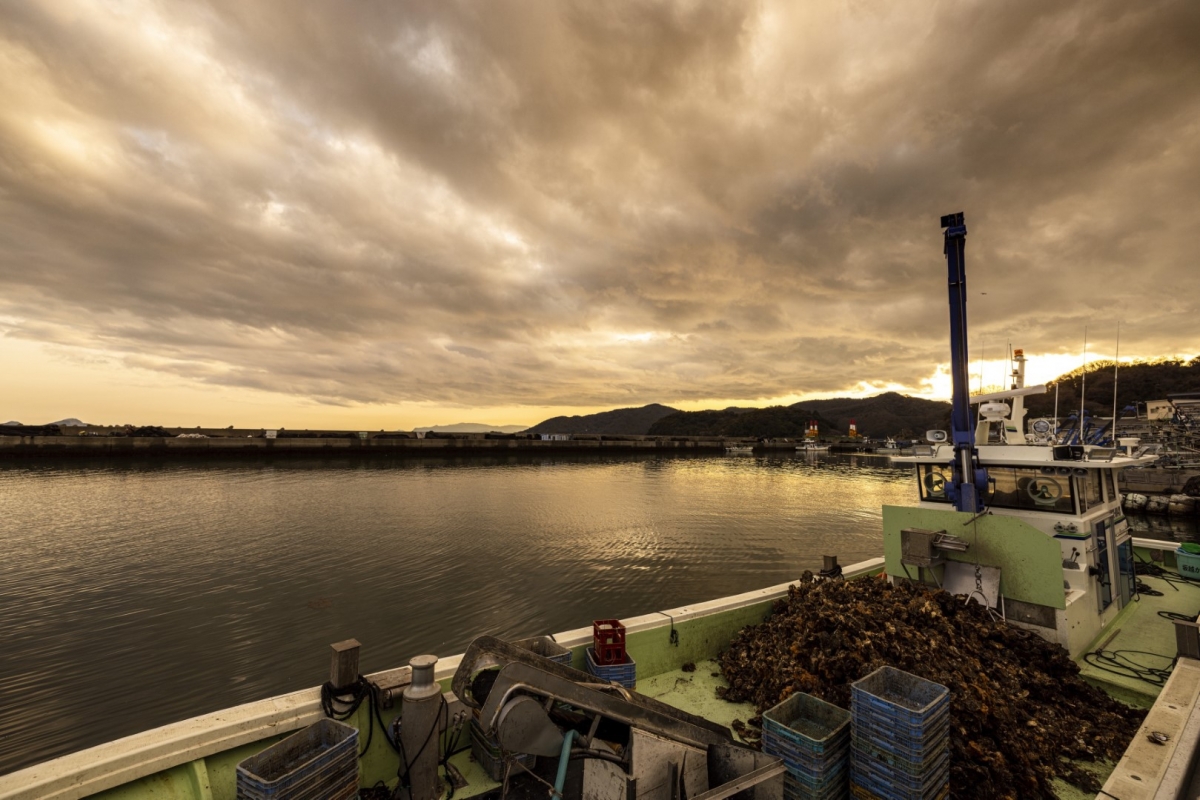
(1119, 662)
(1140, 587)
(451, 745)
(1173, 579)
(352, 697)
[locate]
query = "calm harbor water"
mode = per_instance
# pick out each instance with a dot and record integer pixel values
(132, 595)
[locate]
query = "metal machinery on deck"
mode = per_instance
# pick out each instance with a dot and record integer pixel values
(622, 745)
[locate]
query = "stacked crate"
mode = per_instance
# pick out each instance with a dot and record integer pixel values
(607, 658)
(813, 739)
(899, 737)
(319, 761)
(624, 673)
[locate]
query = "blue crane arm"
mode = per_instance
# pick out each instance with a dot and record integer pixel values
(969, 480)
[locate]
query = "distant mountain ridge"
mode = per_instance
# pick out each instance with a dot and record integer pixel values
(69, 422)
(628, 421)
(887, 414)
(774, 422)
(473, 427)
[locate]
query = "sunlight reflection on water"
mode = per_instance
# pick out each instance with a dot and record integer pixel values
(160, 591)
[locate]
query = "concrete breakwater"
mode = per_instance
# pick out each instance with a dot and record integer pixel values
(348, 445)
(1157, 481)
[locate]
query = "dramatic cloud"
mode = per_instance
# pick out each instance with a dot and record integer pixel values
(559, 204)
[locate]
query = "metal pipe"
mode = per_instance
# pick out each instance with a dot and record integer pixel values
(420, 724)
(564, 758)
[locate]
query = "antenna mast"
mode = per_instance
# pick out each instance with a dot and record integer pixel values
(1083, 386)
(1116, 368)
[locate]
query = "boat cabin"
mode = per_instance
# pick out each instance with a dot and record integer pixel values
(1051, 550)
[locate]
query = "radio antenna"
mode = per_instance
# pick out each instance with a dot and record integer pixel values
(1116, 367)
(1083, 387)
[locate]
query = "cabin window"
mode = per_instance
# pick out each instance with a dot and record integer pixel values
(1031, 489)
(1089, 488)
(933, 480)
(1110, 485)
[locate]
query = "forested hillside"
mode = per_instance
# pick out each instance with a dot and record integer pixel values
(629, 421)
(773, 422)
(1137, 382)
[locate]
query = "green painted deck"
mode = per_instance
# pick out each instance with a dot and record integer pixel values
(1066, 791)
(1139, 631)
(696, 693)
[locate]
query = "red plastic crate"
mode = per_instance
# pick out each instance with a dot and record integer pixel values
(608, 640)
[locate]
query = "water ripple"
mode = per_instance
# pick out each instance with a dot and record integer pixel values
(160, 591)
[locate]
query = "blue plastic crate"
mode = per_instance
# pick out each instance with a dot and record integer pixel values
(900, 696)
(864, 712)
(917, 767)
(859, 793)
(319, 761)
(624, 674)
(802, 787)
(799, 761)
(861, 787)
(901, 726)
(869, 726)
(808, 723)
(897, 784)
(888, 790)
(913, 750)
(546, 647)
(813, 739)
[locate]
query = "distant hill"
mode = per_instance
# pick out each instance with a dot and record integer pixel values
(70, 422)
(887, 414)
(1140, 381)
(473, 427)
(629, 421)
(775, 422)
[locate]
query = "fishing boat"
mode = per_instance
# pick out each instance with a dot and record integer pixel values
(812, 447)
(1033, 532)
(889, 447)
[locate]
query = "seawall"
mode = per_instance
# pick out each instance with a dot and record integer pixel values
(13, 447)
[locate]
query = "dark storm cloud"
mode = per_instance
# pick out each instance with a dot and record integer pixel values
(552, 203)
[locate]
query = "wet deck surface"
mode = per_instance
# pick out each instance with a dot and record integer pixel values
(696, 693)
(1142, 639)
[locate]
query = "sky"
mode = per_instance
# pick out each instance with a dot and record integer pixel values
(385, 215)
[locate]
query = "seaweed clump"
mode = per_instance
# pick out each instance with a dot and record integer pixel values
(1020, 713)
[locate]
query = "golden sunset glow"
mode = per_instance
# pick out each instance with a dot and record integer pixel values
(393, 215)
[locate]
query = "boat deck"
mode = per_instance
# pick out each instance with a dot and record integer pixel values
(1136, 640)
(696, 692)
